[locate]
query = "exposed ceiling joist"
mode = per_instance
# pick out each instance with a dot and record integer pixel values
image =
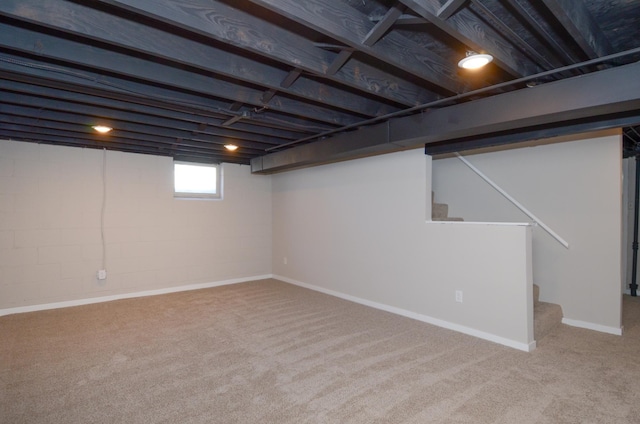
(382, 26)
(449, 8)
(186, 76)
(579, 22)
(262, 38)
(540, 32)
(467, 28)
(172, 108)
(347, 25)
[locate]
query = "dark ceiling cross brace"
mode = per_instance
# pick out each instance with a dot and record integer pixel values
(402, 20)
(370, 39)
(231, 121)
(410, 20)
(383, 25)
(119, 107)
(346, 25)
(211, 19)
(183, 52)
(84, 116)
(449, 8)
(291, 77)
(235, 106)
(125, 66)
(338, 62)
(377, 32)
(467, 28)
(268, 95)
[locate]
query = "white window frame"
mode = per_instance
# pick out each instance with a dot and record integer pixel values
(194, 194)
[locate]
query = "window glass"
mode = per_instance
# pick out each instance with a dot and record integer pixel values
(196, 180)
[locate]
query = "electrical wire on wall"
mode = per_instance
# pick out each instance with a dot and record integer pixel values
(102, 211)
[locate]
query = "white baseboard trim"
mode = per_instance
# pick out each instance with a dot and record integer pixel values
(526, 347)
(88, 301)
(591, 326)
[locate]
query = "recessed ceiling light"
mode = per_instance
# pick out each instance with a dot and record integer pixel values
(102, 129)
(475, 60)
(230, 147)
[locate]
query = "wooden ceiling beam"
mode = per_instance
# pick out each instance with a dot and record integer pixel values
(85, 121)
(291, 77)
(510, 34)
(346, 25)
(240, 73)
(469, 30)
(164, 103)
(31, 116)
(539, 31)
(404, 19)
(450, 8)
(100, 60)
(164, 109)
(48, 103)
(577, 20)
(411, 20)
(339, 61)
(136, 145)
(230, 25)
(38, 125)
(383, 25)
(370, 39)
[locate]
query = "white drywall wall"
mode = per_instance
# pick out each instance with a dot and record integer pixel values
(50, 238)
(573, 185)
(358, 229)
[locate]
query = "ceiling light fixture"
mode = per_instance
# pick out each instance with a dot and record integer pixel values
(475, 60)
(230, 147)
(102, 129)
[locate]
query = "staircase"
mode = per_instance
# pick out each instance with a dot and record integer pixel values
(440, 211)
(546, 316)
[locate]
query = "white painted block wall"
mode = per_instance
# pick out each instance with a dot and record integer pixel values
(50, 237)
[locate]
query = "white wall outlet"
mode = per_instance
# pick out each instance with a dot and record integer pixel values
(459, 296)
(102, 274)
(284, 260)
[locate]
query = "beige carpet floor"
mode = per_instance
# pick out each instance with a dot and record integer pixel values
(269, 352)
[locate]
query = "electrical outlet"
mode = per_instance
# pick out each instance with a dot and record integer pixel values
(102, 274)
(459, 296)
(284, 260)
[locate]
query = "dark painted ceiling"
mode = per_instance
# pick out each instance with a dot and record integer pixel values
(183, 78)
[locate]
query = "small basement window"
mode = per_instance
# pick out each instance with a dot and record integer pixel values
(197, 181)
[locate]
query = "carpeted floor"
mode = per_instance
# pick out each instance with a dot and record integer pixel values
(269, 352)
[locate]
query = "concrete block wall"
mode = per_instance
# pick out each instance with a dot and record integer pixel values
(51, 243)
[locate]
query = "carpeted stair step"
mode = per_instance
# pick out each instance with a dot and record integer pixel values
(546, 316)
(439, 211)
